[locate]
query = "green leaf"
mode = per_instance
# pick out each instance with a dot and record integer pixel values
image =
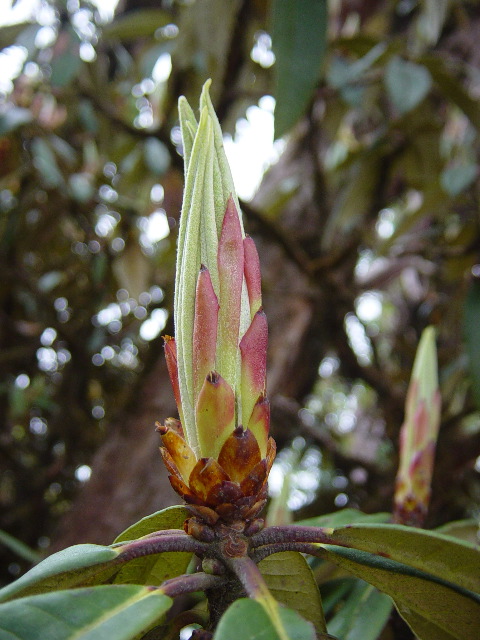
(157, 157)
(406, 83)
(136, 24)
(290, 580)
(452, 88)
(458, 177)
(471, 330)
(169, 518)
(439, 555)
(345, 516)
(46, 164)
(363, 615)
(67, 63)
(64, 569)
(95, 613)
(255, 624)
(299, 37)
(154, 569)
(13, 118)
(19, 547)
(445, 606)
(467, 530)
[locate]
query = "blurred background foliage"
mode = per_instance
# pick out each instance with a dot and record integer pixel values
(370, 203)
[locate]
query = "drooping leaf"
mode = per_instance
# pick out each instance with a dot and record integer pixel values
(291, 582)
(95, 613)
(444, 605)
(64, 569)
(471, 330)
(299, 36)
(363, 615)
(407, 83)
(429, 551)
(255, 623)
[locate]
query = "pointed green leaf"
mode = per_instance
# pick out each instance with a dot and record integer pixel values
(95, 613)
(453, 610)
(64, 569)
(255, 623)
(299, 38)
(290, 580)
(439, 555)
(169, 518)
(363, 615)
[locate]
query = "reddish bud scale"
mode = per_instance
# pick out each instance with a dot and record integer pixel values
(204, 329)
(253, 350)
(214, 414)
(230, 271)
(172, 366)
(252, 275)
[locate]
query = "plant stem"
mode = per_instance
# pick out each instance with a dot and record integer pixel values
(188, 583)
(178, 541)
(249, 575)
(291, 534)
(269, 549)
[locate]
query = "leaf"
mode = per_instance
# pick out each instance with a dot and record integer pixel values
(255, 624)
(20, 548)
(14, 117)
(447, 608)
(452, 88)
(458, 177)
(46, 164)
(299, 38)
(136, 24)
(406, 83)
(10, 32)
(344, 516)
(94, 613)
(66, 63)
(467, 530)
(439, 555)
(363, 615)
(62, 570)
(169, 518)
(157, 157)
(471, 332)
(290, 580)
(154, 569)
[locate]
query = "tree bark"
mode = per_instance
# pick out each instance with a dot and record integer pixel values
(128, 478)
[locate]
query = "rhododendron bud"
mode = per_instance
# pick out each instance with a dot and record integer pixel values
(418, 435)
(219, 453)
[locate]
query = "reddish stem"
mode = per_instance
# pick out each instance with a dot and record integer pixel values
(291, 534)
(178, 541)
(189, 583)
